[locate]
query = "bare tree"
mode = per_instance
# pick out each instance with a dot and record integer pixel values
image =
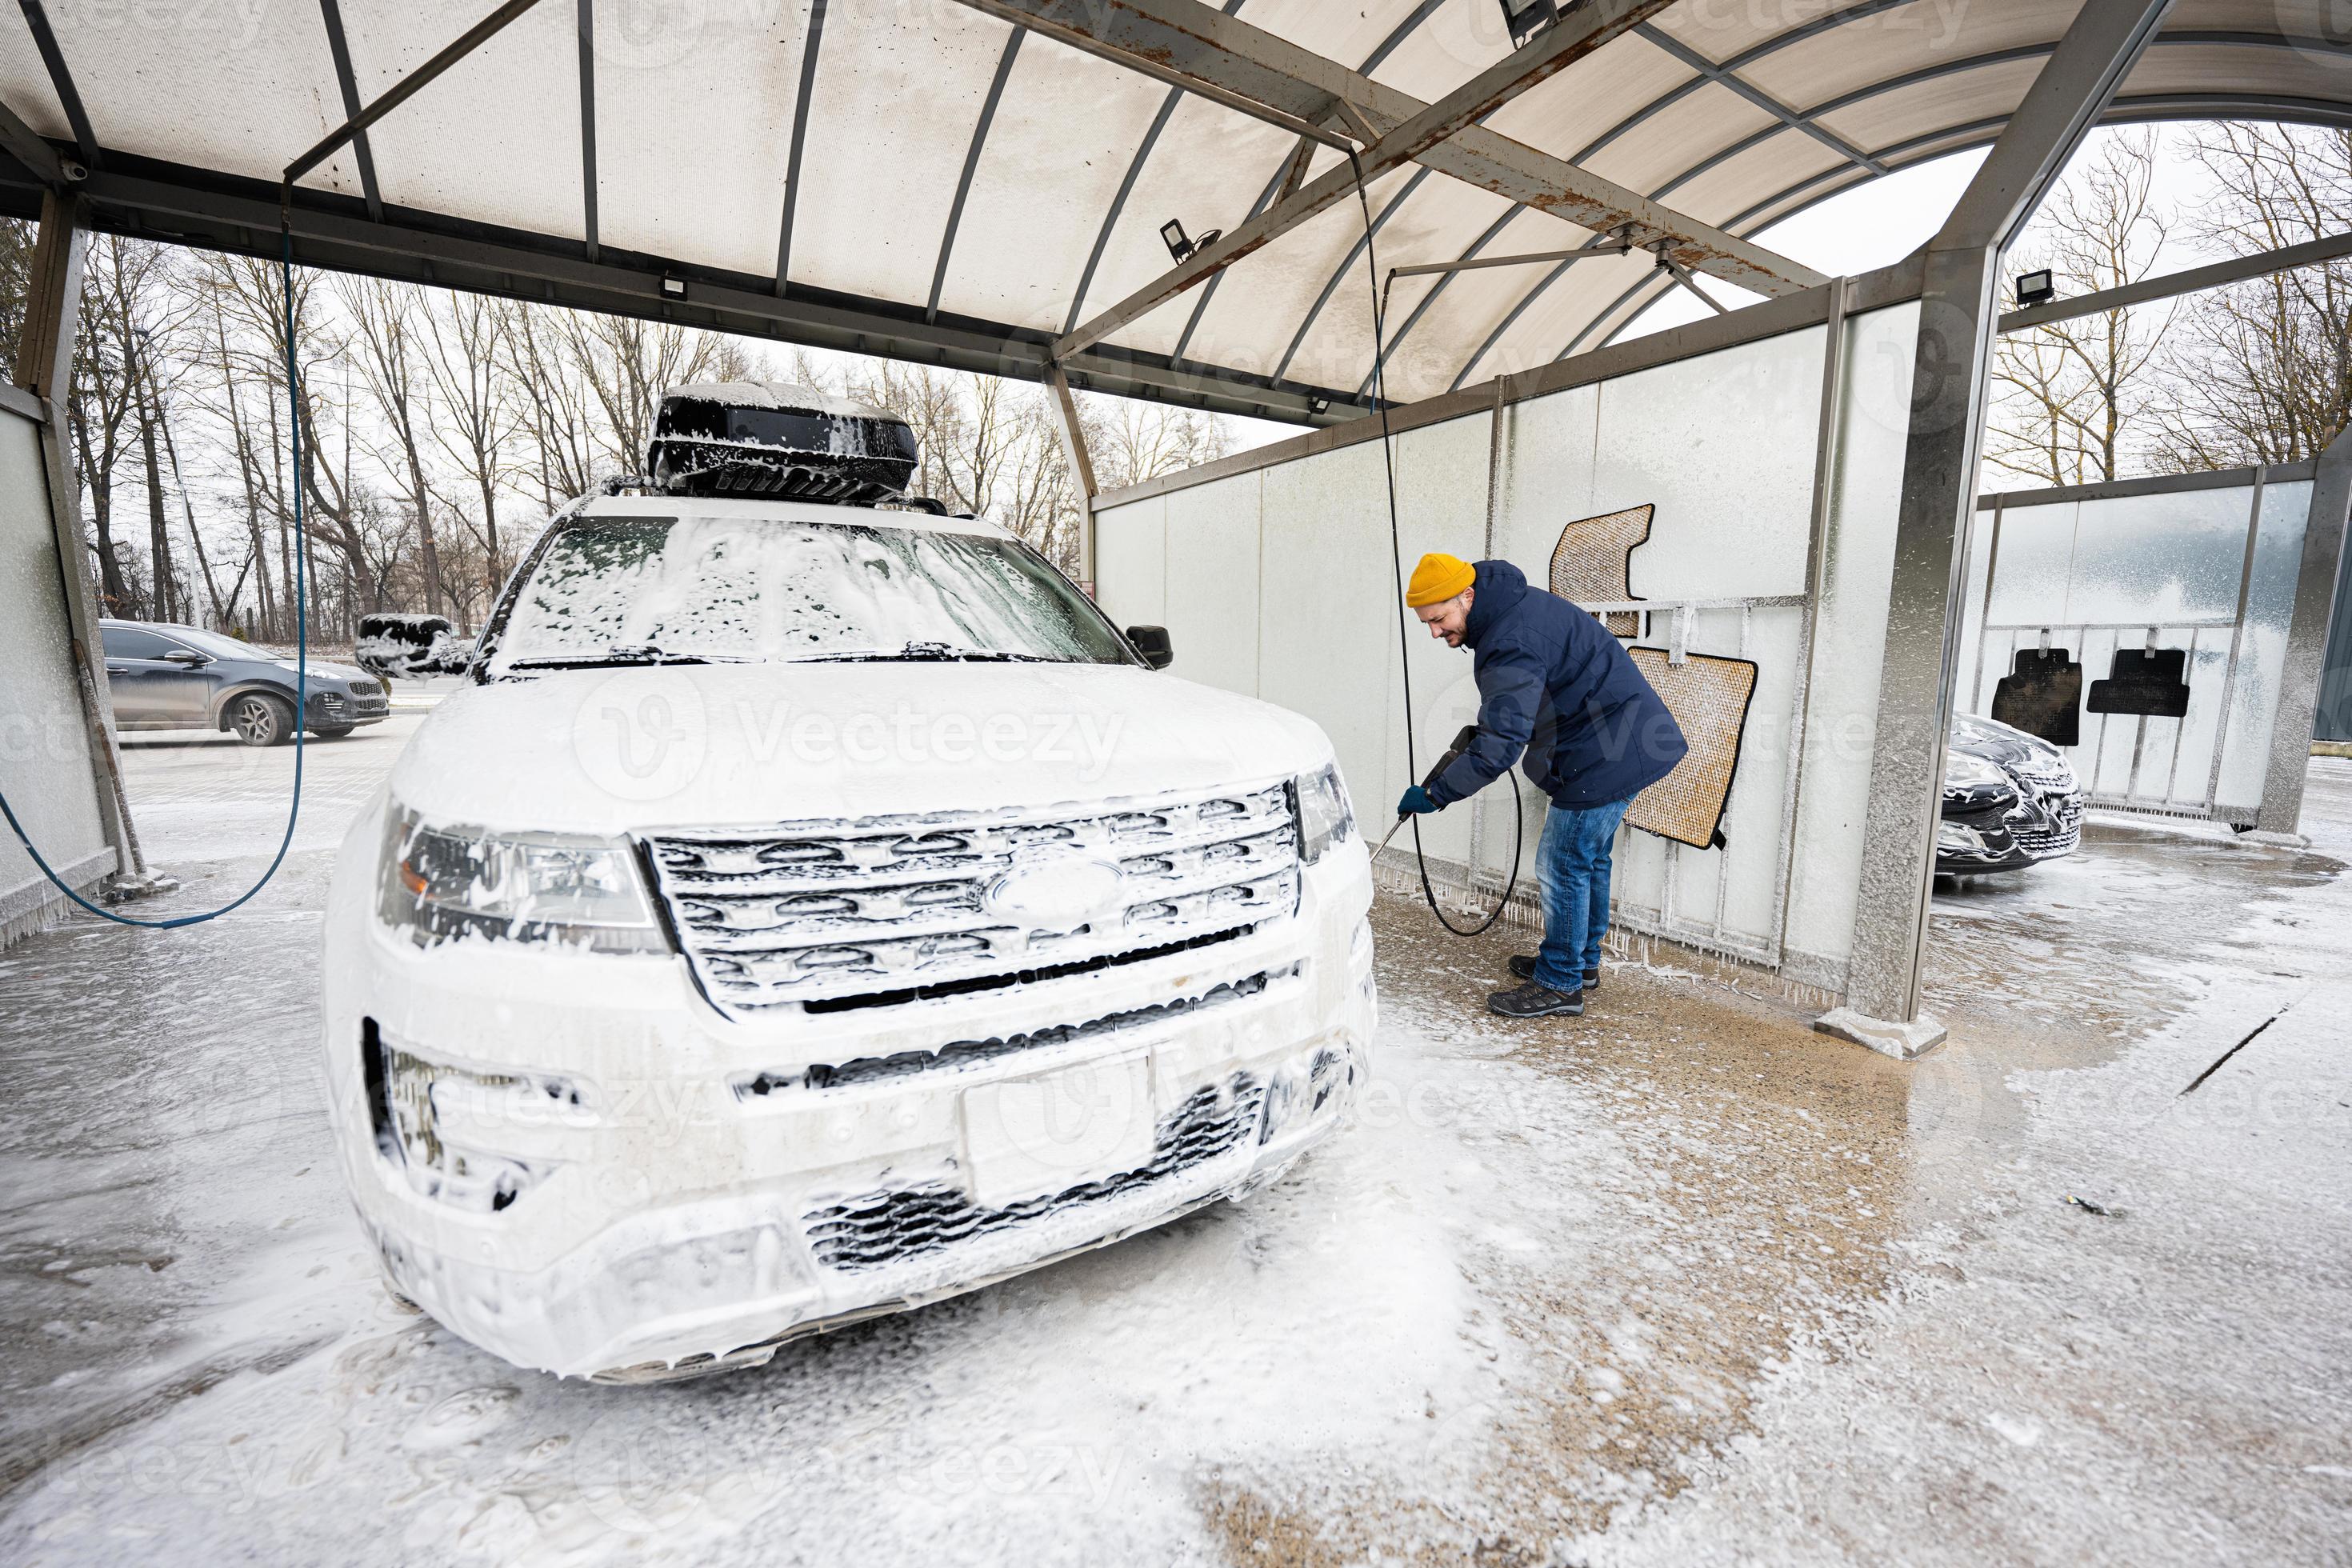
(385, 332)
(627, 364)
(462, 355)
(555, 406)
(2263, 373)
(2067, 395)
(121, 283)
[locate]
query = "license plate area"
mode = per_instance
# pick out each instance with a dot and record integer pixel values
(1029, 1137)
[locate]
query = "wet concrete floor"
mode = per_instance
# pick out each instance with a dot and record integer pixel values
(1678, 1281)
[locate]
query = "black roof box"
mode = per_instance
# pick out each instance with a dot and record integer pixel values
(772, 438)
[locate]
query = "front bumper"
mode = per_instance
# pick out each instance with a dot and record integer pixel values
(2009, 836)
(706, 1190)
(330, 708)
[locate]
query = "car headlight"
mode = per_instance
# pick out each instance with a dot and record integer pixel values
(436, 883)
(1324, 818)
(1966, 774)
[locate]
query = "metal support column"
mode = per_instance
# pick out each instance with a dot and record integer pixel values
(1082, 469)
(43, 368)
(1938, 504)
(2307, 637)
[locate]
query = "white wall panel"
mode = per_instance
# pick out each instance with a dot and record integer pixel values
(1213, 613)
(1327, 645)
(1725, 446)
(1131, 561)
(1441, 506)
(45, 753)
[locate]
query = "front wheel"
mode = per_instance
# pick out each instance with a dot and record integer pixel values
(260, 719)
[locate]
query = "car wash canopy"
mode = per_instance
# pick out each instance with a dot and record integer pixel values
(995, 183)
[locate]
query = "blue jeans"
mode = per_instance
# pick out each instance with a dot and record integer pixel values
(1572, 865)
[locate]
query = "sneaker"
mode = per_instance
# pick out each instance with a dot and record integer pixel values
(1523, 967)
(1534, 1001)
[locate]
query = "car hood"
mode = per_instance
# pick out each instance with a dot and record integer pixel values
(1998, 742)
(319, 670)
(609, 751)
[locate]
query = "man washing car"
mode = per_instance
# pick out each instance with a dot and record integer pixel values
(1555, 686)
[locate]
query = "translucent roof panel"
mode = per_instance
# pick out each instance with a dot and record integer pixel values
(1066, 181)
(898, 93)
(496, 138)
(707, 176)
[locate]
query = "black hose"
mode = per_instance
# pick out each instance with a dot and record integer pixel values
(302, 664)
(1396, 554)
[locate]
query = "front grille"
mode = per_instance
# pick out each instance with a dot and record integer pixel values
(892, 909)
(2059, 827)
(2059, 834)
(2053, 777)
(881, 1228)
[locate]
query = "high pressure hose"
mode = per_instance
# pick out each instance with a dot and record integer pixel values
(301, 656)
(1396, 554)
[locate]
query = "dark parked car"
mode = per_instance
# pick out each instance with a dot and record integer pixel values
(179, 677)
(2010, 801)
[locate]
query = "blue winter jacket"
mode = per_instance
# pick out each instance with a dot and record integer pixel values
(1554, 684)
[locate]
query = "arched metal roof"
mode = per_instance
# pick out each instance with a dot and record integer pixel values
(923, 178)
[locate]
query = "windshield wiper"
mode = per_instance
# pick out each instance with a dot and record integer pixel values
(619, 654)
(918, 652)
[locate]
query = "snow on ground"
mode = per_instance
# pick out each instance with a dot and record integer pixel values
(1680, 1281)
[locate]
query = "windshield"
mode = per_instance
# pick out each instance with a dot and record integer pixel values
(219, 646)
(643, 590)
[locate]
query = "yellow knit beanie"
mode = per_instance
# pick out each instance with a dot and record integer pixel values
(1437, 579)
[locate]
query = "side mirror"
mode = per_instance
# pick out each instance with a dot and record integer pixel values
(1151, 642)
(186, 658)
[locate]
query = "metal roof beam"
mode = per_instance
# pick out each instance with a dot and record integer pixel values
(1195, 47)
(53, 60)
(154, 201)
(799, 141)
(1724, 77)
(2144, 109)
(2137, 109)
(406, 88)
(2067, 98)
(1170, 44)
(25, 145)
(587, 9)
(331, 14)
(2194, 280)
(970, 167)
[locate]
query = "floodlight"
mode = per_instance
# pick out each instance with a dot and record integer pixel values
(1173, 232)
(1525, 18)
(2035, 288)
(1318, 406)
(674, 287)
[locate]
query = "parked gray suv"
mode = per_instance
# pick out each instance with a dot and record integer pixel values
(179, 677)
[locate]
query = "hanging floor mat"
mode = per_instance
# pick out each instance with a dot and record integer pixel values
(1708, 697)
(2150, 681)
(1594, 561)
(2042, 696)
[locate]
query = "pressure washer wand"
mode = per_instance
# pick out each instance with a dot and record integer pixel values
(1462, 742)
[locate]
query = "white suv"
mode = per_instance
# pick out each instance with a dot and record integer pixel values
(813, 910)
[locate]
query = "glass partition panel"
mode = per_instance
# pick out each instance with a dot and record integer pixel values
(2036, 552)
(2262, 649)
(2157, 559)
